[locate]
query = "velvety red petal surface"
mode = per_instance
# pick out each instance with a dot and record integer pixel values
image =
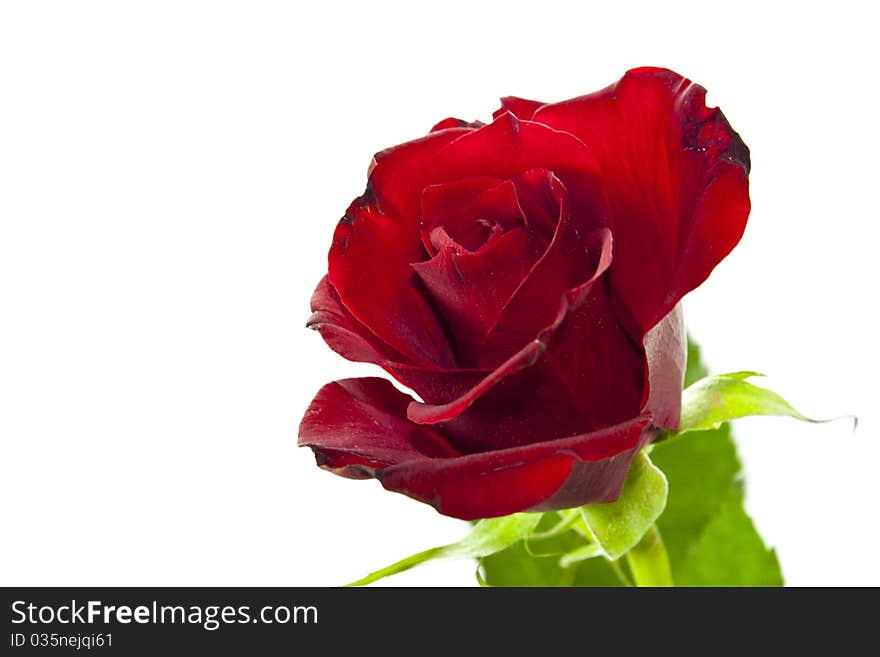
(352, 340)
(677, 181)
(400, 173)
(357, 428)
(470, 289)
(571, 259)
(580, 373)
(502, 149)
(343, 332)
(527, 348)
(369, 267)
(539, 193)
(457, 207)
(373, 246)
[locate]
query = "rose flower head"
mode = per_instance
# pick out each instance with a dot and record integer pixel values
(523, 278)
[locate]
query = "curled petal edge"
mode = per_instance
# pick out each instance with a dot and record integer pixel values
(550, 475)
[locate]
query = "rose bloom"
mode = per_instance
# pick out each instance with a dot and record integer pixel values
(523, 278)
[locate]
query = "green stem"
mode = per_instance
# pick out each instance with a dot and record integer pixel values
(648, 561)
(403, 564)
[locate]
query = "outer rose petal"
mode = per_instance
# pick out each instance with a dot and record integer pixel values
(677, 180)
(666, 361)
(352, 340)
(373, 246)
(343, 332)
(559, 474)
(503, 149)
(400, 173)
(369, 266)
(452, 122)
(357, 428)
(520, 107)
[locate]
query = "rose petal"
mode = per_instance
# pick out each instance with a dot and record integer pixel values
(677, 180)
(538, 193)
(436, 386)
(352, 340)
(529, 354)
(343, 332)
(508, 147)
(470, 289)
(374, 244)
(442, 204)
(427, 413)
(581, 373)
(452, 122)
(469, 209)
(369, 266)
(521, 107)
(569, 261)
(559, 474)
(666, 361)
(503, 149)
(357, 428)
(400, 173)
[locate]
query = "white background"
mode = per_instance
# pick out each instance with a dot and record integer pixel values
(170, 177)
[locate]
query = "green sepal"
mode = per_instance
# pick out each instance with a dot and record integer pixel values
(619, 526)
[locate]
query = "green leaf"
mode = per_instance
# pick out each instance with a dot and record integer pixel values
(713, 400)
(696, 370)
(701, 470)
(487, 537)
(730, 552)
(619, 526)
(704, 509)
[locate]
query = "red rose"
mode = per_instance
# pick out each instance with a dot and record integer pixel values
(523, 278)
